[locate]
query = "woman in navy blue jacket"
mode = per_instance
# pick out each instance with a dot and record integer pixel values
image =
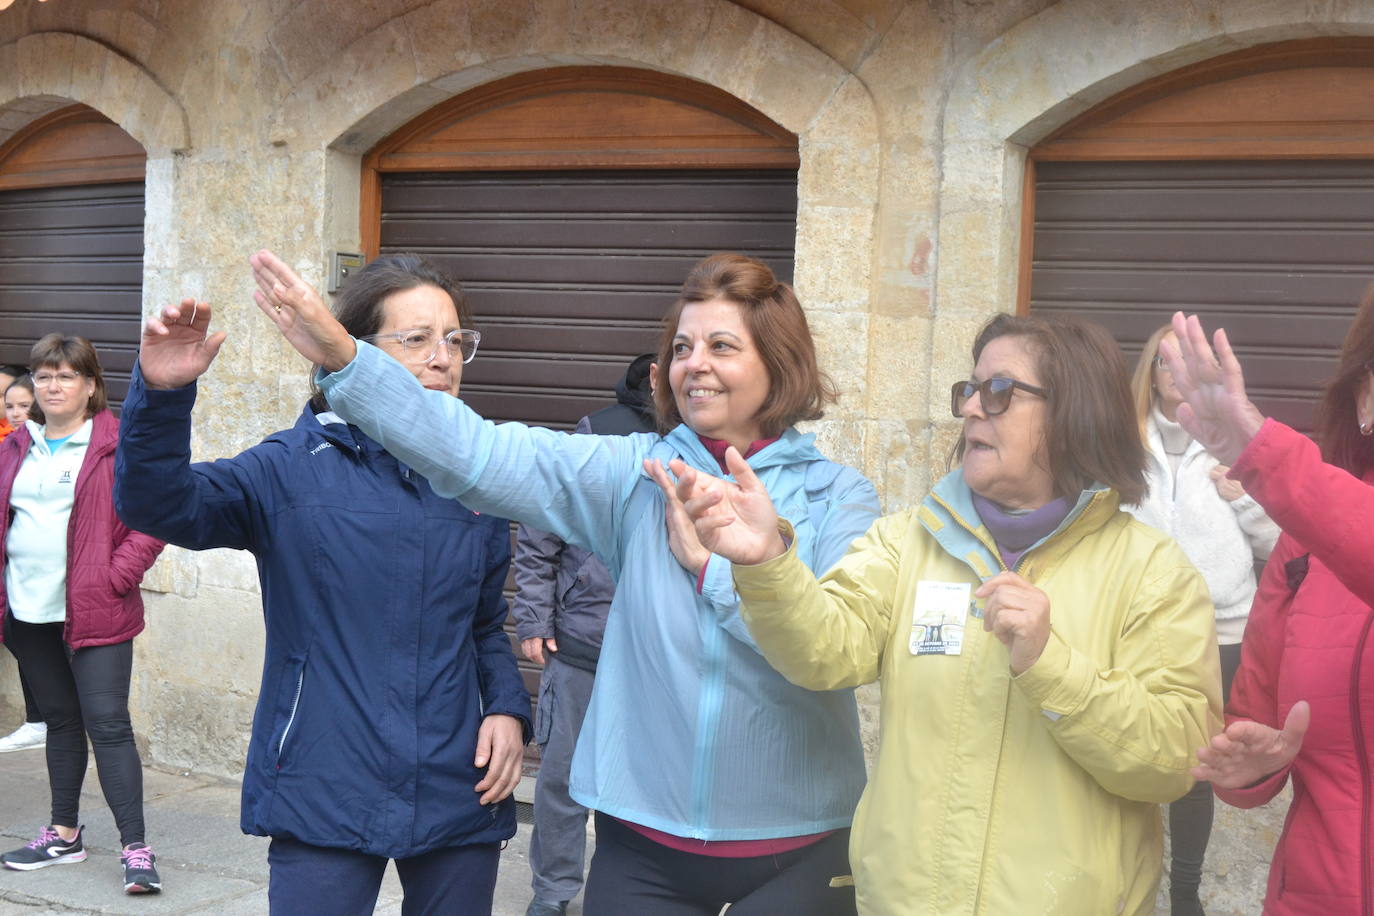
(391, 718)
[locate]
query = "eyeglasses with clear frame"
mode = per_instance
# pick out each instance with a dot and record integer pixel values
(994, 394)
(419, 345)
(64, 379)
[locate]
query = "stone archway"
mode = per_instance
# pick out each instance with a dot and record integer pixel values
(38, 75)
(755, 60)
(1100, 49)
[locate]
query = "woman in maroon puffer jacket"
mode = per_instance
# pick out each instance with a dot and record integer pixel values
(1302, 705)
(71, 602)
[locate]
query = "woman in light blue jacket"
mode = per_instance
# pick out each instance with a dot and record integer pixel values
(714, 779)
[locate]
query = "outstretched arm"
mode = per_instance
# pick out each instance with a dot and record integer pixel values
(156, 488)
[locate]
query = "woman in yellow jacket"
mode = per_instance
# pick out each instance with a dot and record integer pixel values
(1048, 664)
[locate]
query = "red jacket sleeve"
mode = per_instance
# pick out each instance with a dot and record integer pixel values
(133, 554)
(1324, 508)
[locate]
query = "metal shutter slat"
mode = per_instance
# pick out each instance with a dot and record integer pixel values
(1275, 251)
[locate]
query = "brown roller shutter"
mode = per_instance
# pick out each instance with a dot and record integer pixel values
(71, 239)
(1238, 187)
(1276, 252)
(569, 273)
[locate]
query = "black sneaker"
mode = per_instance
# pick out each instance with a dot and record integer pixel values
(140, 877)
(48, 849)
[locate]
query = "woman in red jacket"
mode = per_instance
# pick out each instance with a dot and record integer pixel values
(71, 602)
(1307, 656)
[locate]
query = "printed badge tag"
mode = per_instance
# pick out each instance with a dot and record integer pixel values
(937, 621)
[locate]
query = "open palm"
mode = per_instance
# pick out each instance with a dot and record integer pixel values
(300, 313)
(1216, 410)
(176, 348)
(1247, 752)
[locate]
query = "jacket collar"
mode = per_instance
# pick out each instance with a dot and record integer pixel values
(948, 514)
(790, 448)
(335, 430)
(104, 434)
(1154, 443)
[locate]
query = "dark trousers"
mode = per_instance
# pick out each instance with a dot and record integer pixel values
(458, 881)
(31, 713)
(1190, 818)
(558, 843)
(84, 693)
(632, 874)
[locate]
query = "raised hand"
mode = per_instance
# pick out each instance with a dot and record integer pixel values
(299, 313)
(735, 520)
(1018, 614)
(175, 349)
(1248, 752)
(1216, 410)
(682, 533)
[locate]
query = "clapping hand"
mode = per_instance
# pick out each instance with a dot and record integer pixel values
(682, 533)
(176, 349)
(1248, 752)
(735, 520)
(1216, 410)
(300, 314)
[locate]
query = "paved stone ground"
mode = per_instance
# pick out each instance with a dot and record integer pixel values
(208, 867)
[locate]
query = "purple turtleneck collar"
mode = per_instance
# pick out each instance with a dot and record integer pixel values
(1015, 533)
(717, 448)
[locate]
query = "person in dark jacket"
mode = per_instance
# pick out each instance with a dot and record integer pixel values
(71, 603)
(391, 719)
(562, 594)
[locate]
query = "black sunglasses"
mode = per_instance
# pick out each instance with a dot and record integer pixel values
(994, 393)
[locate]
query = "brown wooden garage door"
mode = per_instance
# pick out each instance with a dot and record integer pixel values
(569, 272)
(71, 239)
(71, 260)
(1277, 252)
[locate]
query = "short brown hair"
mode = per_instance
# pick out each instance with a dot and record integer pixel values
(52, 350)
(797, 389)
(1337, 426)
(1090, 429)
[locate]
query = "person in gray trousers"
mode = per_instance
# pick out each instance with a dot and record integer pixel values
(561, 599)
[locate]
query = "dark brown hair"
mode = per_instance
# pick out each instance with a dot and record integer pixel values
(25, 381)
(797, 389)
(1337, 427)
(1090, 427)
(52, 350)
(358, 305)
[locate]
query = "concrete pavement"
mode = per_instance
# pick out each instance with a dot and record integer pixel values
(208, 867)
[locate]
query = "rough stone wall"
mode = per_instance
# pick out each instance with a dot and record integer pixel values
(913, 117)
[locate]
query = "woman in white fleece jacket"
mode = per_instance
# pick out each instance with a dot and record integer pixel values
(1223, 531)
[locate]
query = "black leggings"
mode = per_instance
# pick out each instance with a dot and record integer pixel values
(80, 693)
(1190, 818)
(630, 873)
(31, 713)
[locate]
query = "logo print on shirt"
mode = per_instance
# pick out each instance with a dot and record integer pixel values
(66, 476)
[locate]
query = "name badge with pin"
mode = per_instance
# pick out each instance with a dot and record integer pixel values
(937, 621)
